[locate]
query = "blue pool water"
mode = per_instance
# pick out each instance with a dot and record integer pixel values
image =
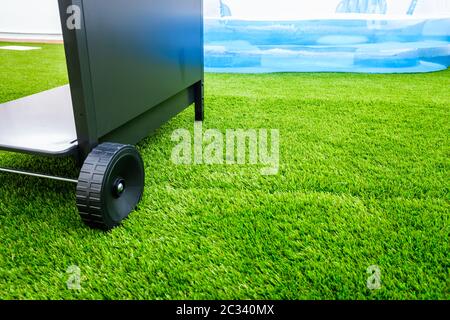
(332, 45)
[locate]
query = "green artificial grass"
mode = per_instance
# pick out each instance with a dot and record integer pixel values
(364, 180)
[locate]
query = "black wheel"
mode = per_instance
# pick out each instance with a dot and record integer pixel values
(110, 185)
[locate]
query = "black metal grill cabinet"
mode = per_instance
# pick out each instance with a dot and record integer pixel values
(132, 66)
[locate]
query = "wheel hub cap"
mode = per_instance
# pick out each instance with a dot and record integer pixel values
(119, 188)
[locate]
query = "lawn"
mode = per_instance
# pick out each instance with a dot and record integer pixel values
(363, 180)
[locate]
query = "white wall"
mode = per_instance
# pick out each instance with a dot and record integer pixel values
(39, 19)
(30, 19)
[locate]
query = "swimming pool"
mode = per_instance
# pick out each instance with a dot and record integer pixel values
(335, 42)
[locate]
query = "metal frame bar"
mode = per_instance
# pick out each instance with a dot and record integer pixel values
(77, 59)
(38, 175)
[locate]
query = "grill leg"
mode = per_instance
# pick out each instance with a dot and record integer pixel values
(199, 101)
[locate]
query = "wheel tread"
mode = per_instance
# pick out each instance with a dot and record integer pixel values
(90, 184)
